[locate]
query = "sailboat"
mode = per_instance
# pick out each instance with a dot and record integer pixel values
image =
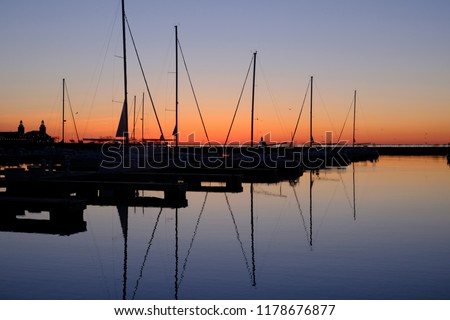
(91, 157)
(359, 153)
(122, 129)
(253, 157)
(131, 156)
(197, 160)
(315, 157)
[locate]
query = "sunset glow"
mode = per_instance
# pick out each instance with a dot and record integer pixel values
(394, 54)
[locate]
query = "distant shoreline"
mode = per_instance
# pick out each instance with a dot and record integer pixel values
(11, 147)
(412, 150)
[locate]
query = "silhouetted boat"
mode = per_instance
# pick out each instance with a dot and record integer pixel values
(315, 156)
(116, 156)
(260, 156)
(357, 153)
(244, 159)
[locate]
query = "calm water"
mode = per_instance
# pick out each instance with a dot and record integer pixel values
(372, 231)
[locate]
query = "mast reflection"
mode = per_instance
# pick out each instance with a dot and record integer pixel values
(123, 216)
(181, 260)
(252, 236)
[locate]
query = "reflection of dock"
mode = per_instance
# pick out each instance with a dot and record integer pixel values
(95, 188)
(66, 215)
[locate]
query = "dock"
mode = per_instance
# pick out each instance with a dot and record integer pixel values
(174, 193)
(65, 195)
(196, 182)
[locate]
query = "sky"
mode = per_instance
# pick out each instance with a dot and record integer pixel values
(395, 53)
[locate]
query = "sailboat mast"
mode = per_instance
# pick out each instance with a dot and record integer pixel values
(354, 118)
(143, 95)
(125, 80)
(253, 96)
(176, 88)
(134, 119)
(311, 113)
(63, 120)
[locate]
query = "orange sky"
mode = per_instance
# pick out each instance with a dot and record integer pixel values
(397, 126)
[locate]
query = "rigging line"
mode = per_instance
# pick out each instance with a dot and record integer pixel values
(193, 92)
(138, 115)
(345, 190)
(272, 98)
(345, 122)
(301, 213)
(165, 66)
(145, 80)
(71, 111)
(239, 238)
(361, 111)
(192, 241)
(101, 69)
(239, 101)
(56, 124)
(146, 254)
(300, 114)
(97, 251)
(324, 106)
(327, 211)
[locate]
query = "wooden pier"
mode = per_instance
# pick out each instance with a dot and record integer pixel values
(195, 181)
(174, 193)
(65, 195)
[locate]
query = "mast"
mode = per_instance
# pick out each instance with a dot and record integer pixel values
(176, 88)
(311, 113)
(253, 96)
(143, 94)
(63, 120)
(125, 79)
(354, 118)
(134, 119)
(122, 129)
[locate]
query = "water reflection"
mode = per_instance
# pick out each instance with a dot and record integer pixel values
(315, 238)
(249, 259)
(242, 229)
(65, 216)
(179, 276)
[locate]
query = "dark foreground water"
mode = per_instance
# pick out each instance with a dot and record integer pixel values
(370, 231)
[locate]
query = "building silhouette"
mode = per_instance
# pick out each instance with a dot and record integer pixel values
(20, 136)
